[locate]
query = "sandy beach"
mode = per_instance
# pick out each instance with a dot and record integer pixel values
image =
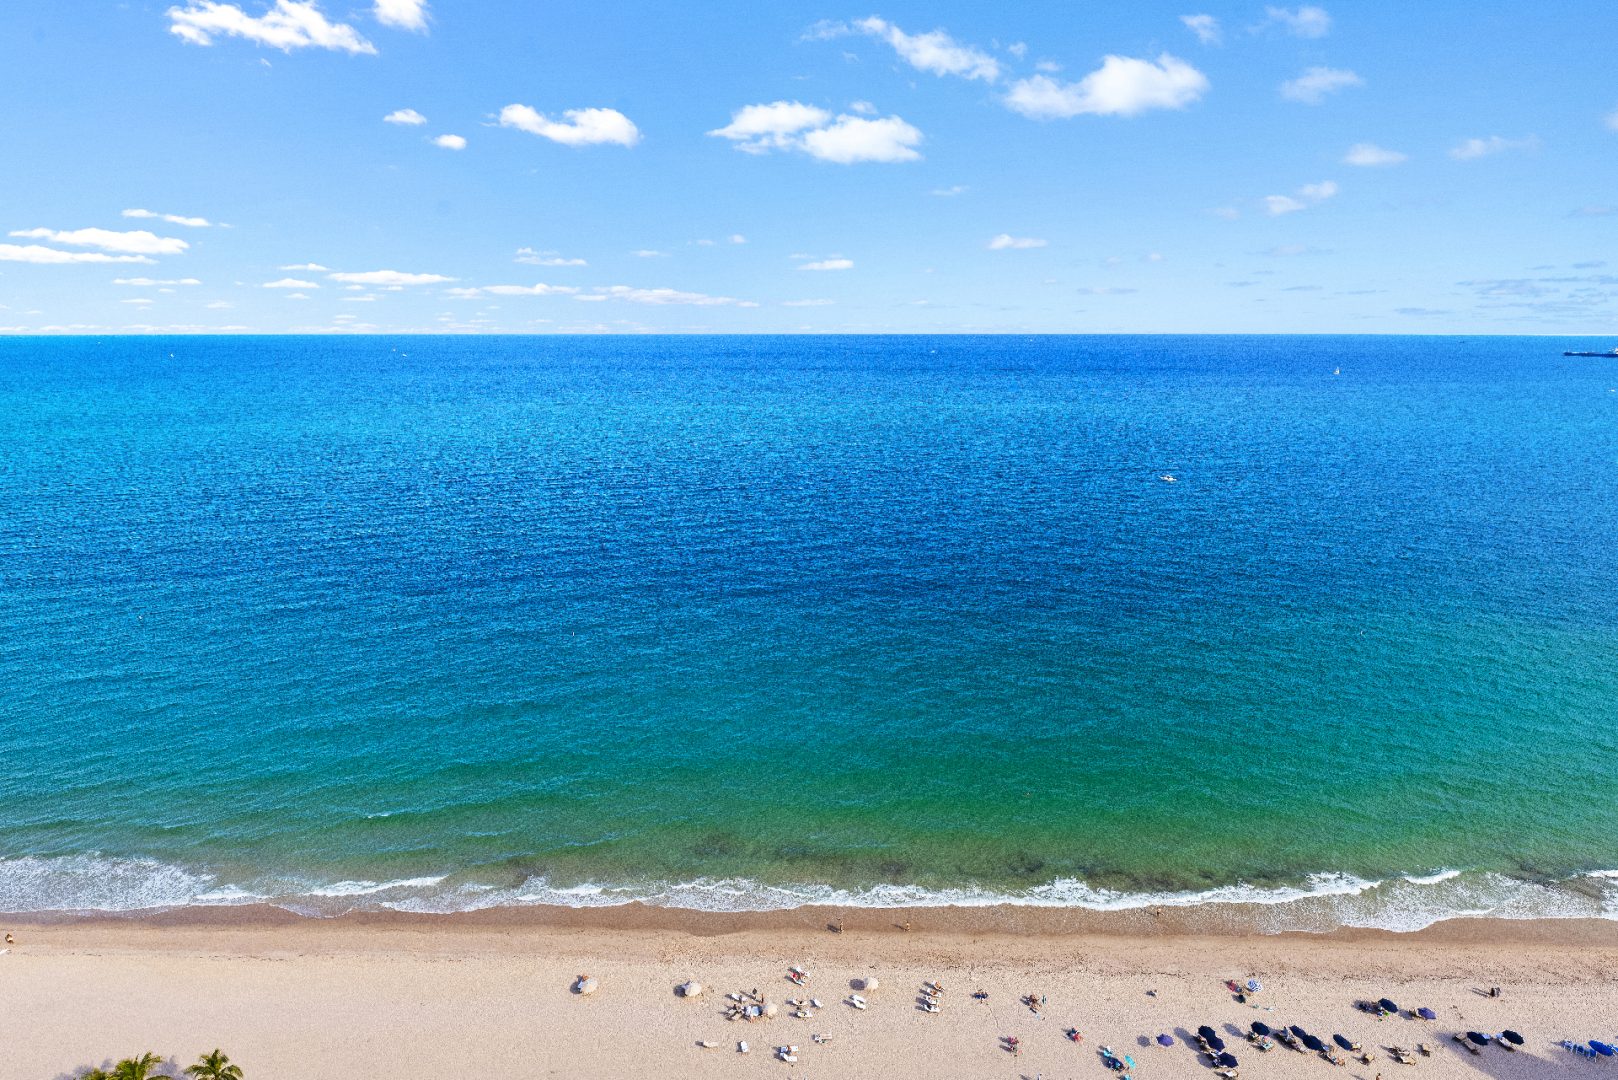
(489, 995)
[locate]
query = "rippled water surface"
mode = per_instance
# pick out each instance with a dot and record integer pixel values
(746, 621)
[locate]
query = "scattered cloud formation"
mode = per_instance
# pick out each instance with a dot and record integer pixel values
(540, 289)
(545, 258)
(390, 277)
(137, 242)
(935, 53)
(1307, 196)
(172, 219)
(404, 116)
(579, 127)
(845, 139)
(1007, 242)
(450, 142)
(44, 256)
(402, 14)
(1206, 27)
(828, 264)
(1122, 86)
(1313, 85)
(1370, 156)
(290, 24)
(290, 283)
(1305, 22)
(313, 267)
(661, 297)
(1472, 149)
(149, 283)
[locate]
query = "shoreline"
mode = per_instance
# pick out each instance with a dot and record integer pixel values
(488, 993)
(1224, 922)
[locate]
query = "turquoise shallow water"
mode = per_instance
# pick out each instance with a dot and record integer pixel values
(745, 622)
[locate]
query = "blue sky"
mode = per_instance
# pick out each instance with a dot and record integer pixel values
(520, 166)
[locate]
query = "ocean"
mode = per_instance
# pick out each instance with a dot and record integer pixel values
(737, 623)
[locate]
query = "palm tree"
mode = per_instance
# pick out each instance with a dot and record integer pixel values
(214, 1066)
(136, 1068)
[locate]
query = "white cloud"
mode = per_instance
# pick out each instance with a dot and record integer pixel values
(1612, 120)
(649, 253)
(1307, 196)
(1122, 86)
(935, 52)
(150, 283)
(290, 283)
(402, 14)
(777, 125)
(290, 24)
(1019, 49)
(792, 125)
(137, 242)
(807, 303)
(141, 300)
(390, 277)
(1476, 148)
(44, 256)
(829, 264)
(540, 289)
(737, 238)
(1369, 155)
(172, 219)
(1007, 242)
(583, 127)
(852, 139)
(950, 192)
(1206, 27)
(1313, 85)
(450, 142)
(545, 258)
(409, 117)
(863, 108)
(666, 296)
(314, 267)
(1305, 22)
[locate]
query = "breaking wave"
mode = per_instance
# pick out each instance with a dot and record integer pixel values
(96, 884)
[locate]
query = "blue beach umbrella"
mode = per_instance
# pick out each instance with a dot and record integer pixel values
(1426, 1013)
(1165, 1040)
(1478, 1037)
(1512, 1037)
(1226, 1061)
(1207, 1033)
(1343, 1041)
(1601, 1048)
(1312, 1043)
(1388, 1005)
(1260, 1028)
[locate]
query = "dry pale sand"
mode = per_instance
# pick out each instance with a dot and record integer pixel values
(488, 997)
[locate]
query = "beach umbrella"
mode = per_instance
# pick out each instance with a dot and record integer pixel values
(1129, 1062)
(1299, 1032)
(1312, 1043)
(1207, 1033)
(1478, 1037)
(1511, 1037)
(1226, 1061)
(1260, 1028)
(1388, 1005)
(1426, 1013)
(1345, 1043)
(1165, 1040)
(1601, 1048)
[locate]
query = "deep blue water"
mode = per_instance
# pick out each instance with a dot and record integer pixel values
(872, 618)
